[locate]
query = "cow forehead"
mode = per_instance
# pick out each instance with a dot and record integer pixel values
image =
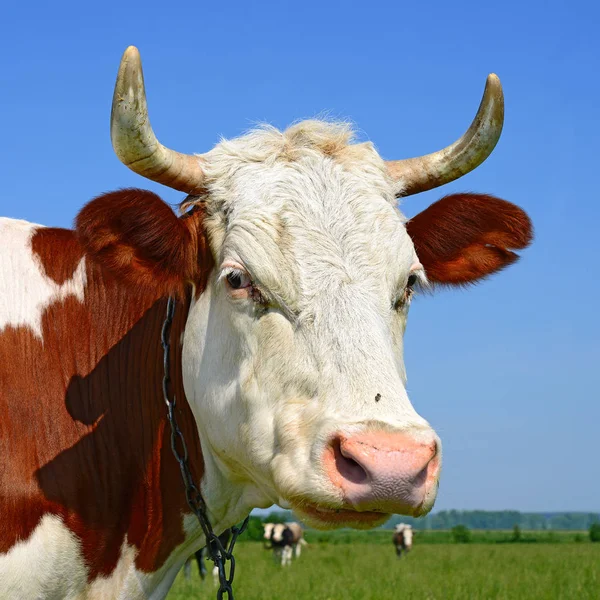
(303, 214)
(265, 167)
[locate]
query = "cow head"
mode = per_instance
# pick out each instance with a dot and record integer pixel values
(267, 531)
(293, 352)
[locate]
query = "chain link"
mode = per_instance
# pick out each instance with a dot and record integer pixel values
(219, 554)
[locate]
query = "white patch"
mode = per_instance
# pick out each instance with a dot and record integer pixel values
(408, 537)
(25, 290)
(47, 565)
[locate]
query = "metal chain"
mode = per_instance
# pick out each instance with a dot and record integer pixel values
(219, 554)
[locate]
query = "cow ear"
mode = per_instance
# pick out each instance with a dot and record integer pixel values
(463, 238)
(139, 239)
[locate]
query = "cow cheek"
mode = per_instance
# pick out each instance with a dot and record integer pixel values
(210, 371)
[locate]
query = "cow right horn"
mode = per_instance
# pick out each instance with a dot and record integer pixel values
(134, 141)
(424, 173)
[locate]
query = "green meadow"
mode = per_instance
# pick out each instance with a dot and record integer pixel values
(434, 570)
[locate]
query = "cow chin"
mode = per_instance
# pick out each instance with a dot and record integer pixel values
(323, 518)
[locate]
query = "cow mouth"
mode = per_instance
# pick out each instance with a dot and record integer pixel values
(322, 517)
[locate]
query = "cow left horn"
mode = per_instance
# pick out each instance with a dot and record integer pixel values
(427, 172)
(133, 139)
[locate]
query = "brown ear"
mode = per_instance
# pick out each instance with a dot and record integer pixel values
(138, 238)
(462, 238)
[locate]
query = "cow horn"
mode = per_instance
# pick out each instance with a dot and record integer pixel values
(133, 139)
(424, 173)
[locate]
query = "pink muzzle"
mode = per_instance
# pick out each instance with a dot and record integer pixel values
(382, 471)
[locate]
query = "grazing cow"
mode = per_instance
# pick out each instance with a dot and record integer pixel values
(285, 539)
(403, 538)
(202, 556)
(294, 271)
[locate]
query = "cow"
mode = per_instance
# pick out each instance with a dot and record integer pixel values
(403, 538)
(293, 270)
(285, 539)
(201, 556)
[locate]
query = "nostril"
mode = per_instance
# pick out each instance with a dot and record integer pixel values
(421, 476)
(433, 466)
(430, 469)
(346, 466)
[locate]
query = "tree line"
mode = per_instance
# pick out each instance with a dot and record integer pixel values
(481, 519)
(501, 519)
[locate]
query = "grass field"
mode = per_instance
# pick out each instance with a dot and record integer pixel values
(431, 572)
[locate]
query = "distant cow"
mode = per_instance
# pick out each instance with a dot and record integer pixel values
(403, 537)
(202, 555)
(286, 540)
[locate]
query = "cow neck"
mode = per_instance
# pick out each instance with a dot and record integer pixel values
(87, 435)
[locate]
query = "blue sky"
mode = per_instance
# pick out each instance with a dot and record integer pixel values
(508, 371)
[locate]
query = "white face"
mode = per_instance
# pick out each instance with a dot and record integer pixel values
(268, 530)
(293, 356)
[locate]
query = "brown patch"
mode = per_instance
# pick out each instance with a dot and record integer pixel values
(463, 238)
(83, 433)
(58, 251)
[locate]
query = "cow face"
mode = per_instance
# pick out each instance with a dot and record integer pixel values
(293, 357)
(267, 531)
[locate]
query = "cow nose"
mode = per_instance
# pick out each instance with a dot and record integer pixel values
(382, 471)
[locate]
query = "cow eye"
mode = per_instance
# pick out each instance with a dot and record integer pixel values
(407, 294)
(238, 280)
(408, 291)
